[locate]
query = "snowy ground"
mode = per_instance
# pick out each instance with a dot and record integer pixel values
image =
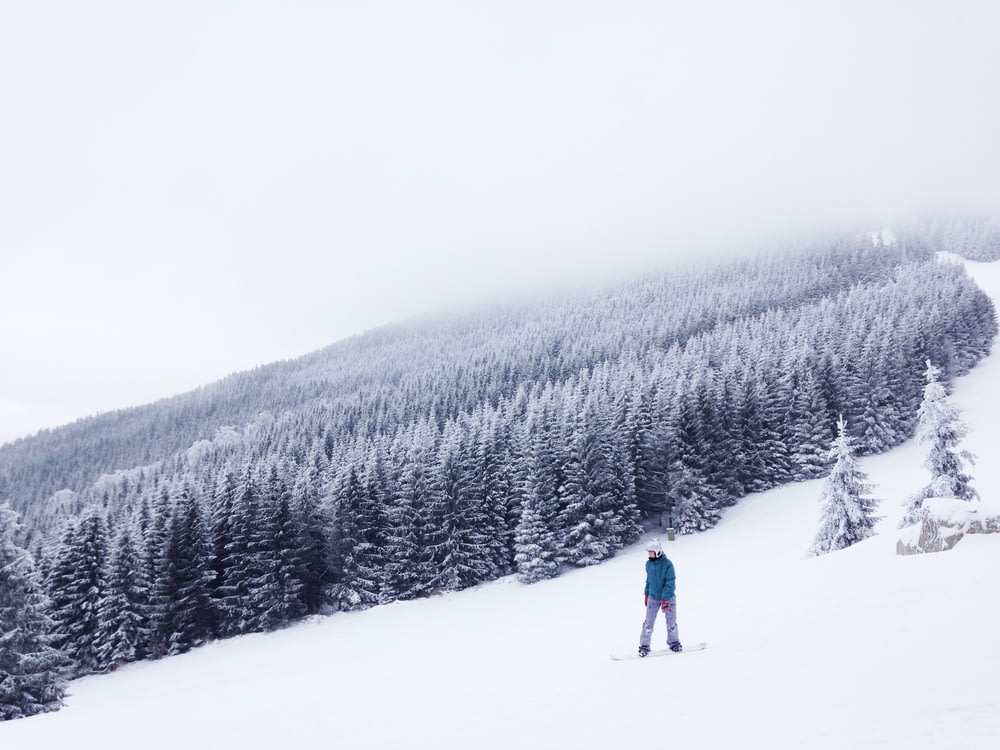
(858, 649)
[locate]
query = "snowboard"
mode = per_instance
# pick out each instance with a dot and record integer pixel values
(658, 652)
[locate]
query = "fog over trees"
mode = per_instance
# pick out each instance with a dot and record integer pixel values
(435, 455)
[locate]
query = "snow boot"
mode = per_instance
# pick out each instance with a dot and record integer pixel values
(675, 646)
(643, 650)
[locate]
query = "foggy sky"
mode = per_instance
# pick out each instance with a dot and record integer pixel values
(188, 189)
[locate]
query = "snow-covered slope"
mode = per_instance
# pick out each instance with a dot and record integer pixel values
(860, 648)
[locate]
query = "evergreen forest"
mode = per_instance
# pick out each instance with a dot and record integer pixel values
(438, 454)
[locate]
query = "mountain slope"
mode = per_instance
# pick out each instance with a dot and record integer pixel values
(393, 376)
(860, 648)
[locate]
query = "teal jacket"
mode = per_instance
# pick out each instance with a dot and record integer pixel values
(660, 578)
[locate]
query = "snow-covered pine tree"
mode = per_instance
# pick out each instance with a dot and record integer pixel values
(695, 504)
(496, 465)
(404, 574)
(810, 431)
(220, 536)
(76, 585)
(615, 483)
(31, 670)
(848, 511)
(773, 442)
(751, 472)
(358, 550)
(939, 424)
(261, 603)
(313, 526)
(187, 566)
(283, 569)
(438, 514)
(121, 615)
(241, 563)
(471, 525)
(535, 543)
(583, 521)
(154, 540)
(647, 445)
(722, 449)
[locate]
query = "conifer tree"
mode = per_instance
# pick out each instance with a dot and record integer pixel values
(598, 511)
(615, 479)
(463, 557)
(314, 543)
(279, 587)
(535, 543)
(405, 576)
(76, 585)
(695, 505)
(186, 577)
(220, 537)
(847, 511)
(242, 563)
(31, 670)
(579, 520)
(357, 550)
(721, 450)
(939, 424)
(810, 430)
(752, 472)
(122, 608)
(497, 462)
(156, 633)
(651, 443)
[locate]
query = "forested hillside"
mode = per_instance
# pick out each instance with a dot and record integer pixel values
(372, 383)
(436, 455)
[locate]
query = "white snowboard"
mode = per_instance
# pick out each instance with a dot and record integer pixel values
(658, 652)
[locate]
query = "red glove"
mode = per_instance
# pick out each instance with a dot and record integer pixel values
(665, 606)
(645, 600)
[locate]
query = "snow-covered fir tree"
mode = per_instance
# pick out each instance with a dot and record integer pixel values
(181, 587)
(76, 585)
(469, 524)
(31, 670)
(809, 427)
(283, 582)
(939, 423)
(121, 620)
(240, 604)
(847, 514)
(536, 541)
(358, 546)
(534, 544)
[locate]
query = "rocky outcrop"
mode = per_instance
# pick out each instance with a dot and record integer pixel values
(943, 524)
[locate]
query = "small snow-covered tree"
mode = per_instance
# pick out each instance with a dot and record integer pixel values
(938, 423)
(848, 512)
(31, 670)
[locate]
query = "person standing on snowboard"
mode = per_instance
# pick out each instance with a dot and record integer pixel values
(660, 597)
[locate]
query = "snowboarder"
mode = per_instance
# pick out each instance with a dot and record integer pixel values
(659, 597)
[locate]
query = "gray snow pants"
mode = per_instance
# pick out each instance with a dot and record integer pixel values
(652, 609)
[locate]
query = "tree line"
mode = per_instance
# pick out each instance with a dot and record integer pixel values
(327, 507)
(371, 383)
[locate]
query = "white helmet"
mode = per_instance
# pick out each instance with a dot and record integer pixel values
(655, 546)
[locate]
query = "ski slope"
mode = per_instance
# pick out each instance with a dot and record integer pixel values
(857, 649)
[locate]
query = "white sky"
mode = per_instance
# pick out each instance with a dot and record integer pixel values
(188, 189)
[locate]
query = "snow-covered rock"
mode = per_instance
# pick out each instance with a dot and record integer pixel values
(943, 523)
